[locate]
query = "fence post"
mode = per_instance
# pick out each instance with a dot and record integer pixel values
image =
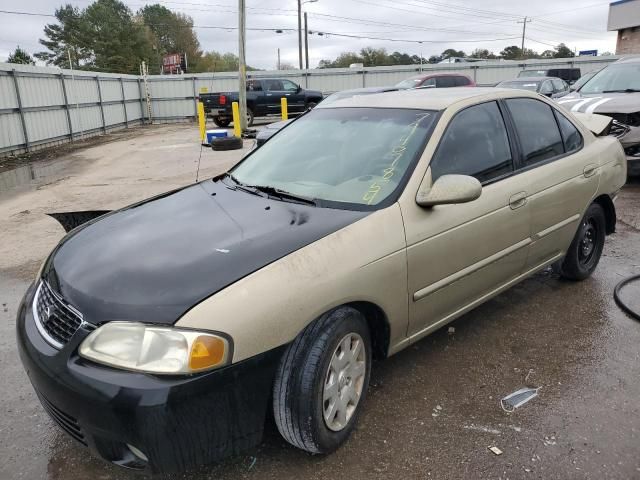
(195, 97)
(24, 124)
(124, 103)
(364, 83)
(66, 106)
(141, 104)
(104, 125)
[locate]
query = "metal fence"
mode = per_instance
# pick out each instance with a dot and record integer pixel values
(41, 107)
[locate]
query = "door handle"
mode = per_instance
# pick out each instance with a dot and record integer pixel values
(518, 200)
(590, 170)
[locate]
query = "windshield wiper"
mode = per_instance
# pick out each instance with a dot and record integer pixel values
(242, 186)
(283, 194)
(625, 90)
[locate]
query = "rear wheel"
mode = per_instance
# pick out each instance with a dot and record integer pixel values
(586, 248)
(222, 122)
(322, 381)
(310, 105)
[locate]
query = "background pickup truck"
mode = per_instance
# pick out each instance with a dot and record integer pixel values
(263, 98)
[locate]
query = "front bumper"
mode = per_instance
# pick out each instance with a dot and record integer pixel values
(176, 422)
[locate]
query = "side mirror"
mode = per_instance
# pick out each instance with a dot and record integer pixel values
(299, 89)
(449, 189)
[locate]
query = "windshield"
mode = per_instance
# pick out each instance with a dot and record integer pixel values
(357, 156)
(533, 86)
(582, 80)
(614, 78)
(533, 73)
(409, 83)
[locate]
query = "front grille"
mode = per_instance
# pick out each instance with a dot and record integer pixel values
(57, 321)
(64, 420)
(618, 129)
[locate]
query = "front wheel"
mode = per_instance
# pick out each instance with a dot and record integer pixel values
(322, 381)
(586, 248)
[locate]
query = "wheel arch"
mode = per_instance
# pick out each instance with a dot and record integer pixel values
(378, 324)
(609, 212)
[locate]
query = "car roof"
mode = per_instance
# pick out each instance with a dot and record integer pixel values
(428, 99)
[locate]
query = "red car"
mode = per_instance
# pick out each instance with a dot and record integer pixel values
(436, 80)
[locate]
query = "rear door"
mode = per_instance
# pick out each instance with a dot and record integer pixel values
(560, 175)
(458, 254)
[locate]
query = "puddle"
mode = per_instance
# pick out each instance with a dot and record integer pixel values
(31, 174)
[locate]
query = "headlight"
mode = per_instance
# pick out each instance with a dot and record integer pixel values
(153, 349)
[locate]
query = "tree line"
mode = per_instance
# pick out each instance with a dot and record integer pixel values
(107, 36)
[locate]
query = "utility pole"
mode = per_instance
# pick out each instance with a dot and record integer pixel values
(278, 59)
(524, 29)
(300, 32)
(306, 42)
(242, 69)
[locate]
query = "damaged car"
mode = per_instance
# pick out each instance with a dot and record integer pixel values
(615, 92)
(160, 335)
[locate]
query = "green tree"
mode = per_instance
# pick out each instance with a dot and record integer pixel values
(20, 56)
(375, 57)
(547, 54)
(512, 52)
(171, 32)
(562, 51)
(65, 39)
(219, 62)
(342, 61)
(482, 53)
(450, 52)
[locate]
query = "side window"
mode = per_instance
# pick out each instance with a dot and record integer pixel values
(559, 85)
(429, 82)
(254, 85)
(546, 88)
(289, 86)
(476, 144)
(461, 81)
(537, 130)
(274, 85)
(445, 82)
(570, 134)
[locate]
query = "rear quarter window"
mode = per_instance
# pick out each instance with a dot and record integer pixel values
(570, 135)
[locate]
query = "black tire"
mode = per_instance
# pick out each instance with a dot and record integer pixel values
(586, 248)
(222, 122)
(309, 106)
(299, 387)
(226, 143)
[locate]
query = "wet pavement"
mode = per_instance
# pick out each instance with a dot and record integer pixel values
(434, 409)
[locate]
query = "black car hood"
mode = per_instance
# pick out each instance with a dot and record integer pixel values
(153, 261)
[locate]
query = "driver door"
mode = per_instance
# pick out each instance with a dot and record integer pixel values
(459, 254)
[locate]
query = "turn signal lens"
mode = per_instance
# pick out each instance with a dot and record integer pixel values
(206, 352)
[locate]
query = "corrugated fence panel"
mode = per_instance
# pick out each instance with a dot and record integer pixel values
(133, 111)
(46, 124)
(40, 91)
(10, 131)
(85, 119)
(111, 90)
(171, 108)
(131, 90)
(113, 114)
(8, 97)
(182, 87)
(82, 90)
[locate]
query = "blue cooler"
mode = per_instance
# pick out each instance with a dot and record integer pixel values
(218, 133)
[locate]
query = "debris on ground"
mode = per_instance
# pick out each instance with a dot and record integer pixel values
(495, 450)
(518, 398)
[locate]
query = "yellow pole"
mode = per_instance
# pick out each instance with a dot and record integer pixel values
(201, 121)
(283, 107)
(237, 129)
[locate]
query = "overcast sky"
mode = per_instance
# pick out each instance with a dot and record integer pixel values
(439, 24)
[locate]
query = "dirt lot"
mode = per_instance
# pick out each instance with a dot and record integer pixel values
(432, 410)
